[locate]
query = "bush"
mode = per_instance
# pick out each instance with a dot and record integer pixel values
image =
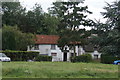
(43, 58)
(82, 58)
(108, 59)
(21, 55)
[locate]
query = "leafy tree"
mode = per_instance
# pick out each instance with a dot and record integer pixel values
(71, 17)
(109, 33)
(13, 39)
(0, 39)
(50, 24)
(12, 11)
(38, 18)
(56, 9)
(113, 14)
(33, 21)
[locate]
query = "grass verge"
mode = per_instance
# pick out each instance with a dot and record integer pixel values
(58, 70)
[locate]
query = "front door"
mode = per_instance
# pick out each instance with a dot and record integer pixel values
(65, 57)
(95, 56)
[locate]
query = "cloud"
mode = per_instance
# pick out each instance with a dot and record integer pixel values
(96, 6)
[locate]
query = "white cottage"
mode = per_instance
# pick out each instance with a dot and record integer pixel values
(47, 45)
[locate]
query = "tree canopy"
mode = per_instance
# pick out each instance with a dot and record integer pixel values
(14, 39)
(71, 16)
(108, 37)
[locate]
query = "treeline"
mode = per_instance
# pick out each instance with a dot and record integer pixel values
(36, 21)
(20, 26)
(31, 21)
(108, 39)
(63, 19)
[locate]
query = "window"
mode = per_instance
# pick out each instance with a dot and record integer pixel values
(53, 47)
(53, 54)
(36, 47)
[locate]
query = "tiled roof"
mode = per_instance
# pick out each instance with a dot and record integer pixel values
(46, 39)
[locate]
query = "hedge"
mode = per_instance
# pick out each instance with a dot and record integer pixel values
(21, 55)
(82, 58)
(108, 59)
(43, 58)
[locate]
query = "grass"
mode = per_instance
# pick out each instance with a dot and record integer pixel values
(58, 70)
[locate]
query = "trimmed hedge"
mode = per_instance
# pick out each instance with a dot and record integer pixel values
(43, 58)
(82, 58)
(108, 59)
(21, 55)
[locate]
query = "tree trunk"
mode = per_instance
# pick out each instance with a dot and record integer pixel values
(74, 49)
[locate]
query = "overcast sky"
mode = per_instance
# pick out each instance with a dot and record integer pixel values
(95, 6)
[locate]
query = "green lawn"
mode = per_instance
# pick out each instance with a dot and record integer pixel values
(58, 70)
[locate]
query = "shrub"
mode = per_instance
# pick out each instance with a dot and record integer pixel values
(43, 58)
(82, 58)
(108, 59)
(21, 55)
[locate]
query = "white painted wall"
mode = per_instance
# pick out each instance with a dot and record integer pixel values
(59, 56)
(43, 49)
(79, 50)
(46, 49)
(96, 53)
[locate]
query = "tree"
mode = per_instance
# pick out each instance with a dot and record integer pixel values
(71, 17)
(32, 21)
(50, 24)
(12, 11)
(0, 39)
(56, 9)
(13, 39)
(113, 14)
(109, 38)
(40, 22)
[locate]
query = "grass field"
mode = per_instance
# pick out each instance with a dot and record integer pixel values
(58, 70)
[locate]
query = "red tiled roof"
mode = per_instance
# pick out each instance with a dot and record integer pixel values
(47, 39)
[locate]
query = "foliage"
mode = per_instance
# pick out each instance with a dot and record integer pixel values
(36, 17)
(69, 37)
(56, 9)
(108, 38)
(31, 21)
(21, 55)
(108, 59)
(43, 58)
(82, 58)
(12, 12)
(113, 14)
(0, 39)
(50, 24)
(14, 39)
(71, 18)
(58, 70)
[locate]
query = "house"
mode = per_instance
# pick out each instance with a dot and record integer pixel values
(94, 51)
(48, 45)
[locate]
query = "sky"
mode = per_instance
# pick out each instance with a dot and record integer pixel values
(95, 6)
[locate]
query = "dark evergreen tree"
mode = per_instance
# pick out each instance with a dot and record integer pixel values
(71, 16)
(108, 37)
